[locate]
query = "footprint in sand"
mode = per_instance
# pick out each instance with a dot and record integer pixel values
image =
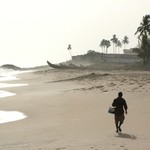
(94, 147)
(60, 148)
(105, 91)
(112, 84)
(121, 145)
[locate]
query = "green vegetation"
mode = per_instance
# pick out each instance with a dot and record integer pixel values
(69, 49)
(118, 44)
(114, 41)
(125, 41)
(105, 44)
(144, 39)
(143, 50)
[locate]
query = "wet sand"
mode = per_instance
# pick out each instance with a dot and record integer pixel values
(67, 110)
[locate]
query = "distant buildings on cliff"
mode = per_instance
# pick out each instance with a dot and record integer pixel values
(129, 57)
(129, 51)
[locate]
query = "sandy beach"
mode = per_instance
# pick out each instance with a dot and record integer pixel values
(68, 110)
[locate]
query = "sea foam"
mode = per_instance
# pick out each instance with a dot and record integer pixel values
(7, 75)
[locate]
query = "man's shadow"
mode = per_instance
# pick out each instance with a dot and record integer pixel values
(127, 136)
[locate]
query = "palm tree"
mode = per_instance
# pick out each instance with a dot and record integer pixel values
(144, 38)
(125, 41)
(69, 49)
(107, 43)
(114, 41)
(144, 28)
(118, 45)
(102, 45)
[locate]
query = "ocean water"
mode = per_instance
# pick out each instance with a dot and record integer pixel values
(7, 75)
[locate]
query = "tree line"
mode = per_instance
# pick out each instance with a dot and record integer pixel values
(117, 44)
(143, 48)
(143, 32)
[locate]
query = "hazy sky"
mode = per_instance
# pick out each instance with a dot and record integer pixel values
(34, 31)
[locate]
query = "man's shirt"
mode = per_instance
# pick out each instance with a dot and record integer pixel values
(120, 105)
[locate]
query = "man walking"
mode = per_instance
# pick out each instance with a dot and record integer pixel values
(120, 106)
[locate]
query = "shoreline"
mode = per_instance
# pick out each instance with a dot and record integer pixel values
(61, 117)
(10, 116)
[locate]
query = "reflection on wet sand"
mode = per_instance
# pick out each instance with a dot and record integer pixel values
(9, 116)
(6, 94)
(5, 85)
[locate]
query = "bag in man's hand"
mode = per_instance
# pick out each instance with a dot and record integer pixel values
(111, 110)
